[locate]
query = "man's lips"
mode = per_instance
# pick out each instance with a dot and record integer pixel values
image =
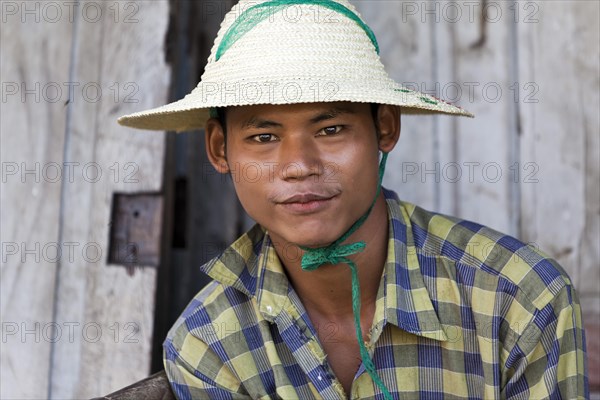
(306, 198)
(306, 203)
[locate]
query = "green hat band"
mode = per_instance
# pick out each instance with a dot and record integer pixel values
(259, 12)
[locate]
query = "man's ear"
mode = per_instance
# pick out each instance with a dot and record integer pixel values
(388, 122)
(215, 145)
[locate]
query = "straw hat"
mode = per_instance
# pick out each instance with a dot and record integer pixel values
(287, 52)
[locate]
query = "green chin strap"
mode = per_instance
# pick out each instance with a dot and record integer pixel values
(336, 253)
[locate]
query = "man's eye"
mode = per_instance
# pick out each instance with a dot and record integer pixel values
(264, 138)
(330, 130)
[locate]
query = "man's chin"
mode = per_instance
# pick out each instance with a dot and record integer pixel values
(311, 240)
(313, 245)
(312, 234)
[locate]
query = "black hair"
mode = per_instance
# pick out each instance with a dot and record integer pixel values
(374, 109)
(219, 114)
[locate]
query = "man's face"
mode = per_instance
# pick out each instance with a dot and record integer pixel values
(305, 172)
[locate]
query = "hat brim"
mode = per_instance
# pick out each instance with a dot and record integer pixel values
(192, 112)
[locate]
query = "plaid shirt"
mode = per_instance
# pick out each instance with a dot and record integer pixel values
(462, 312)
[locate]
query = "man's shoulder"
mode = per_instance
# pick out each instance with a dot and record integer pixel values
(470, 245)
(230, 297)
(212, 314)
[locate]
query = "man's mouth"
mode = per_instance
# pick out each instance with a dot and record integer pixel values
(306, 198)
(307, 203)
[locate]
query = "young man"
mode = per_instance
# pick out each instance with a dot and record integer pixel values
(341, 290)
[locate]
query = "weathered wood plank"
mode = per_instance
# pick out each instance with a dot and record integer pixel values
(450, 170)
(588, 120)
(482, 62)
(155, 387)
(589, 246)
(213, 213)
(122, 58)
(406, 50)
(561, 210)
(554, 132)
(35, 70)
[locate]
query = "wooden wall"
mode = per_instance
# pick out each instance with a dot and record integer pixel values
(529, 163)
(74, 326)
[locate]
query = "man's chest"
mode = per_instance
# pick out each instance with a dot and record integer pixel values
(343, 354)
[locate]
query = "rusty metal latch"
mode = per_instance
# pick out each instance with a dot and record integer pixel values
(136, 223)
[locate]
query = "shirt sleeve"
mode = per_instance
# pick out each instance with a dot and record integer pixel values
(549, 359)
(196, 372)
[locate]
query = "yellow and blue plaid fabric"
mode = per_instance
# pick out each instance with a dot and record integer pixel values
(463, 312)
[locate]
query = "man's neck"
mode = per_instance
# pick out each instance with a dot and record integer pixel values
(327, 291)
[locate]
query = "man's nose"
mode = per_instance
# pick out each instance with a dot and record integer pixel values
(300, 158)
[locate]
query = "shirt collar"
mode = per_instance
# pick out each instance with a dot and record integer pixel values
(252, 266)
(403, 299)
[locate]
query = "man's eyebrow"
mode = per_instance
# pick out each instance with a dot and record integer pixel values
(258, 123)
(331, 113)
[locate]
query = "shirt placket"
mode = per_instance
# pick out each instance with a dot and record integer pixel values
(309, 355)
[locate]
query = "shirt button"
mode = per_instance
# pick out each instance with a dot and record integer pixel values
(319, 377)
(269, 308)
